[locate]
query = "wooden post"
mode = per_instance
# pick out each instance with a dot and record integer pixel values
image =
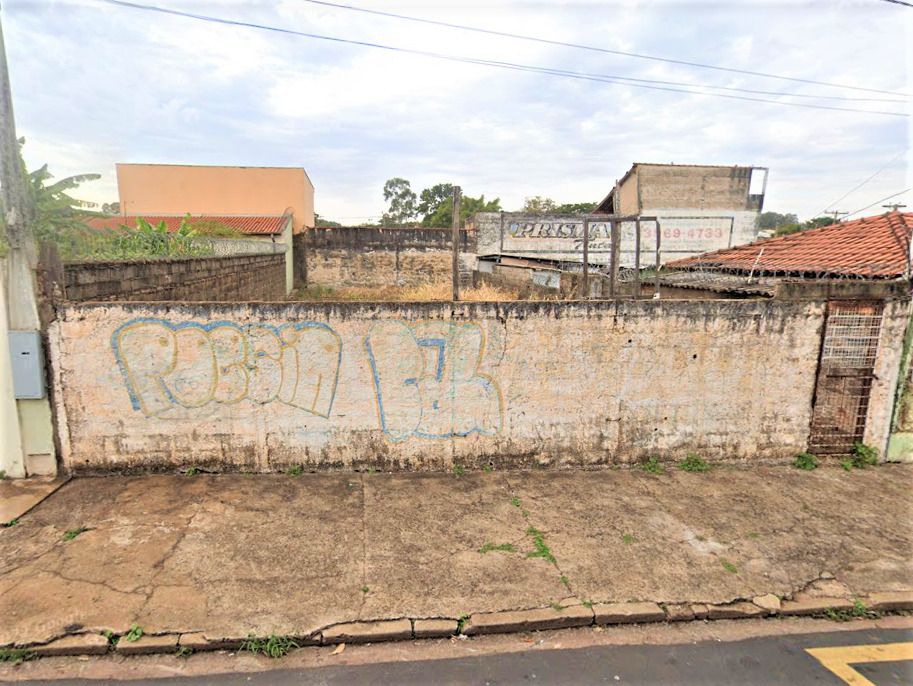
(637, 258)
(585, 286)
(456, 243)
(613, 275)
(658, 259)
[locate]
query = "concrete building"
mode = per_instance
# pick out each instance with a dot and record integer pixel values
(176, 189)
(698, 207)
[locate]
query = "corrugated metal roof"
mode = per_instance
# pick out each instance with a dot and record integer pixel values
(258, 225)
(872, 247)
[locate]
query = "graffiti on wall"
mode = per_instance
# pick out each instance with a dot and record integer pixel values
(190, 364)
(427, 380)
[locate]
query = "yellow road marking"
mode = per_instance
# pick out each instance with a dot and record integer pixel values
(839, 658)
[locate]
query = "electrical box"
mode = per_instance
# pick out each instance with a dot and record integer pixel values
(28, 364)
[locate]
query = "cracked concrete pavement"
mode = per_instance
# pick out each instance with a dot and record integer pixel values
(232, 555)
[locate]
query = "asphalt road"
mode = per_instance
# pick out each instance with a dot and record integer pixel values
(755, 661)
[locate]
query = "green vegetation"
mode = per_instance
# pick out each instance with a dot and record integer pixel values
(488, 468)
(540, 548)
(183, 651)
(794, 226)
(365, 589)
(2, 474)
(858, 611)
(863, 455)
(588, 604)
(10, 523)
(805, 461)
(295, 470)
(73, 533)
(461, 622)
(458, 470)
(272, 646)
(16, 656)
(135, 633)
(502, 547)
(515, 501)
(111, 636)
(564, 580)
(191, 471)
(754, 534)
(653, 466)
(628, 539)
(728, 566)
(694, 463)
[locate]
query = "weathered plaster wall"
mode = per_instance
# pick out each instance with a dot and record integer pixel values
(373, 257)
(423, 386)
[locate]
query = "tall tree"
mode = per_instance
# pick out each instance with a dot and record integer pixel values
(56, 212)
(443, 214)
(772, 220)
(575, 208)
(398, 192)
(432, 198)
(539, 205)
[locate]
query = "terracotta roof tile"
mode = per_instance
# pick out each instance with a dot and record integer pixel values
(249, 225)
(872, 247)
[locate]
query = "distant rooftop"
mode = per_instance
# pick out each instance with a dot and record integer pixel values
(256, 225)
(872, 248)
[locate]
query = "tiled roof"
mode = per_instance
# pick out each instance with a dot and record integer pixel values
(247, 225)
(872, 247)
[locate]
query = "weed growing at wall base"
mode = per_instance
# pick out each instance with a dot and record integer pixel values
(653, 466)
(694, 463)
(864, 455)
(135, 633)
(858, 611)
(73, 533)
(805, 461)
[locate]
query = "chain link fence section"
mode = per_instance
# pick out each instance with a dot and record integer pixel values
(224, 247)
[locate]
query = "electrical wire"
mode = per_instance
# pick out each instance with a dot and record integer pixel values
(861, 209)
(468, 60)
(899, 2)
(592, 48)
(856, 188)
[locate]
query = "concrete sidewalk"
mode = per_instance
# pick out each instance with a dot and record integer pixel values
(218, 557)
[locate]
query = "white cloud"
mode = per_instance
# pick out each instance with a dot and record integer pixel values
(94, 84)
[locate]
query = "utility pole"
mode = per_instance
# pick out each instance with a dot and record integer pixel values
(455, 238)
(836, 214)
(893, 207)
(34, 415)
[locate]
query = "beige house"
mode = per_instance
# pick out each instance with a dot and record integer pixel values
(176, 189)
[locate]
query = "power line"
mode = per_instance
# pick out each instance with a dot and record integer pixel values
(856, 188)
(893, 195)
(899, 2)
(592, 48)
(468, 60)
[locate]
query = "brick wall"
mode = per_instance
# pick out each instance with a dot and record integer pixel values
(374, 257)
(231, 278)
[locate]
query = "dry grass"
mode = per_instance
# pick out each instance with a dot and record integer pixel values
(422, 293)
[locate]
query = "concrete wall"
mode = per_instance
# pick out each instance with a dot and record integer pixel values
(695, 187)
(177, 189)
(683, 232)
(373, 257)
(424, 386)
(235, 277)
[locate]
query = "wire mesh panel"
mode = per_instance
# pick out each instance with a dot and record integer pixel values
(845, 369)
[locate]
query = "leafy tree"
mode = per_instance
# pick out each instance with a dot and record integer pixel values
(56, 212)
(576, 208)
(324, 222)
(773, 220)
(398, 193)
(539, 205)
(443, 215)
(815, 223)
(110, 208)
(432, 198)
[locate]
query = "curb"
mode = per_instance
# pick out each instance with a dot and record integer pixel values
(480, 623)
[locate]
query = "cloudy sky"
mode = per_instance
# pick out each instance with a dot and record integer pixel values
(94, 84)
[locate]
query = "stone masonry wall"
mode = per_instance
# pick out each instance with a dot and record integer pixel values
(231, 278)
(424, 386)
(374, 257)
